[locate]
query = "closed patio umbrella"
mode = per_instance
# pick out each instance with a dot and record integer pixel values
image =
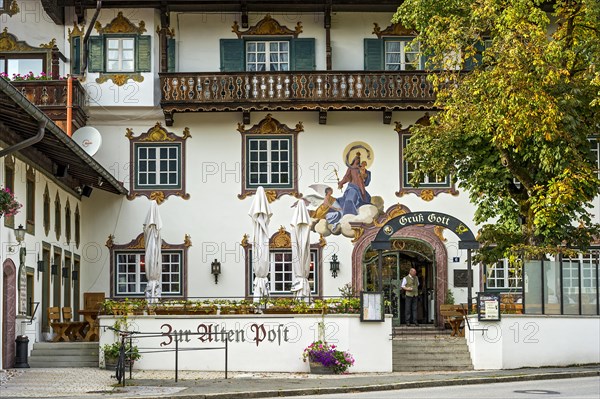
(260, 212)
(301, 251)
(153, 258)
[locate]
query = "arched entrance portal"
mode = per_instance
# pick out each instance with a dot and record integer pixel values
(9, 315)
(399, 224)
(405, 253)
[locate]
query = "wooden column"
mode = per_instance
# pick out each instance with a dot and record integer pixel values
(163, 31)
(327, 25)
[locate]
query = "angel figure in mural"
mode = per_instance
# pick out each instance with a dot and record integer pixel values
(335, 215)
(328, 207)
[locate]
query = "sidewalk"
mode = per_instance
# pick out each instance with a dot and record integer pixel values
(91, 383)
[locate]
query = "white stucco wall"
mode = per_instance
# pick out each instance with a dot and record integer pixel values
(534, 341)
(216, 219)
(276, 348)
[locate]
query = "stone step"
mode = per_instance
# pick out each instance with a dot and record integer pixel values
(406, 368)
(66, 352)
(62, 364)
(434, 343)
(65, 345)
(437, 357)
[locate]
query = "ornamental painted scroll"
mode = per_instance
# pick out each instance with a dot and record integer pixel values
(267, 27)
(155, 140)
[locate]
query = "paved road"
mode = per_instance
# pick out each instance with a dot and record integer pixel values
(575, 388)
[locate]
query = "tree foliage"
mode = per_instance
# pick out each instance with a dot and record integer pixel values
(514, 130)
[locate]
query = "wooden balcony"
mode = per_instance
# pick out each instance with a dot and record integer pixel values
(51, 97)
(296, 91)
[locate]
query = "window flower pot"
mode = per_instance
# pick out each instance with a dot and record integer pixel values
(318, 368)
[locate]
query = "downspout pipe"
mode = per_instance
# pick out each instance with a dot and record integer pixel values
(28, 106)
(28, 142)
(33, 111)
(87, 36)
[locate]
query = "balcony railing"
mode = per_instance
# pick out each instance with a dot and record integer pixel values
(317, 90)
(51, 97)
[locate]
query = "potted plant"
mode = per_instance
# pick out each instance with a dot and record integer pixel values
(8, 205)
(324, 358)
(111, 354)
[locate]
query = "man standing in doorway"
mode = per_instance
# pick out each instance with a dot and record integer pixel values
(410, 285)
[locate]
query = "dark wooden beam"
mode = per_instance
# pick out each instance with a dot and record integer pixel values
(246, 117)
(322, 117)
(387, 116)
(54, 11)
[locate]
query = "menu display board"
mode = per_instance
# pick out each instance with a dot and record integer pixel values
(488, 306)
(371, 306)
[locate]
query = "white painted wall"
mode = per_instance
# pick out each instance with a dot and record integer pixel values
(277, 350)
(216, 219)
(534, 341)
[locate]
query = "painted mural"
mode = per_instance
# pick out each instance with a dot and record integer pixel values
(354, 204)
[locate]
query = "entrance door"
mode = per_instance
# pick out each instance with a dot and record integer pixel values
(396, 264)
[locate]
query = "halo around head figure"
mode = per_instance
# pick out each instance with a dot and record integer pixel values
(361, 149)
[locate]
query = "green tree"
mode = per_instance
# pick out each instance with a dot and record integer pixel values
(514, 130)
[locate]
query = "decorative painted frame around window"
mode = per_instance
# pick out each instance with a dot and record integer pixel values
(378, 55)
(76, 44)
(120, 27)
(426, 191)
(11, 47)
(136, 248)
(159, 141)
(280, 247)
(236, 55)
(9, 7)
(268, 132)
(9, 182)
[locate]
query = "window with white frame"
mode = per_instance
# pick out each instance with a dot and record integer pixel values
(595, 148)
(269, 161)
(22, 64)
(157, 166)
(402, 55)
(130, 273)
(570, 274)
(120, 54)
(503, 275)
(267, 56)
(281, 274)
(429, 180)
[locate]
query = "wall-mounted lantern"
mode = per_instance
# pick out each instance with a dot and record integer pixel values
(215, 269)
(334, 265)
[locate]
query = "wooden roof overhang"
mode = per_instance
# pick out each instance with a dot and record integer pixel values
(20, 120)
(243, 5)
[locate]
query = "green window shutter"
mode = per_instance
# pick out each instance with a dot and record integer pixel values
(232, 55)
(171, 43)
(96, 54)
(76, 55)
(143, 52)
(374, 55)
(303, 54)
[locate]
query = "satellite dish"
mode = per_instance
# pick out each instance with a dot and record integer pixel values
(88, 138)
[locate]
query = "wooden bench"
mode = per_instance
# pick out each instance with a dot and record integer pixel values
(454, 315)
(59, 328)
(76, 329)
